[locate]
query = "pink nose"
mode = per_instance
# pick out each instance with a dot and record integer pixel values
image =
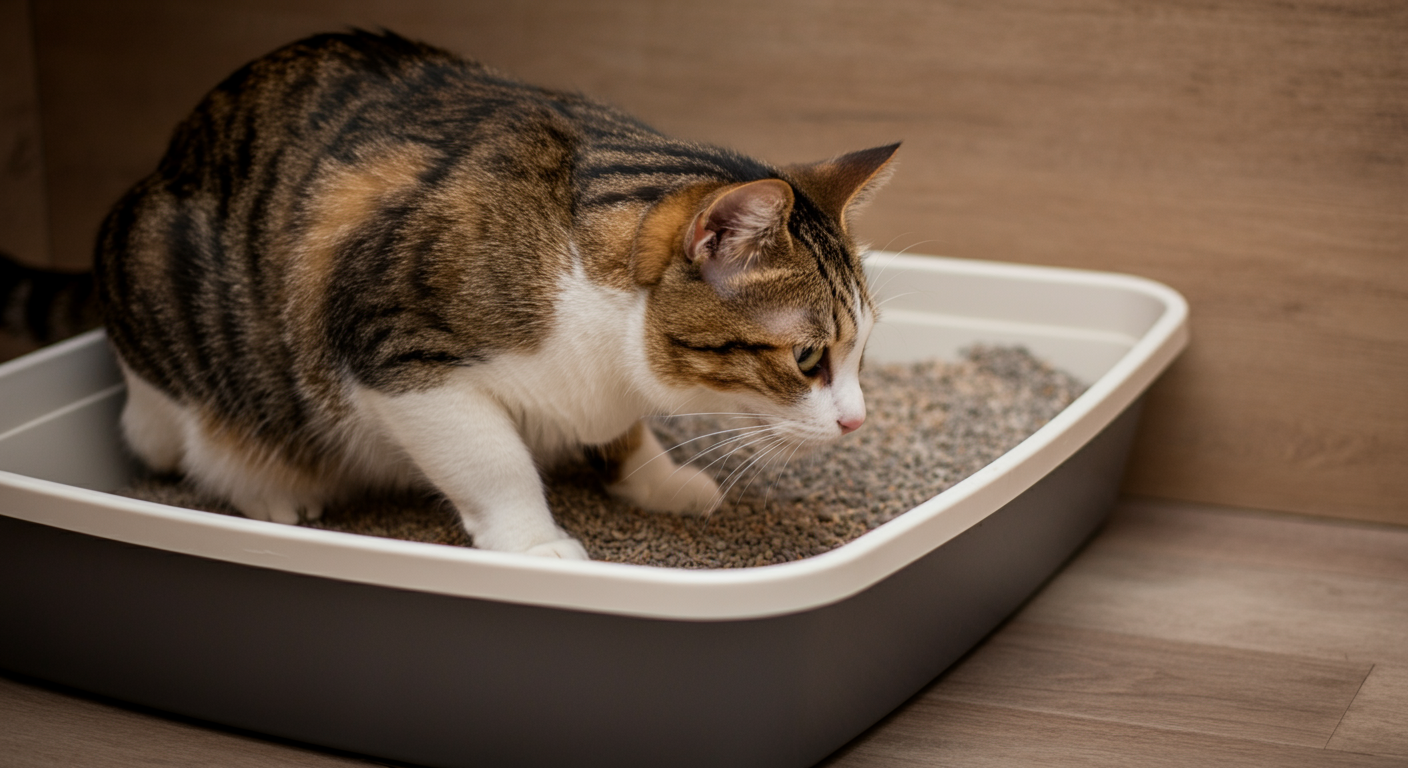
(850, 424)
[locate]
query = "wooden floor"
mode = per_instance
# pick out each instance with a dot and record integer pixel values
(1182, 635)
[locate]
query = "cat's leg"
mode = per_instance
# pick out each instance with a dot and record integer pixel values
(168, 437)
(465, 444)
(639, 471)
(152, 424)
(252, 478)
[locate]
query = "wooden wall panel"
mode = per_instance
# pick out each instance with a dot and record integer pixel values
(23, 224)
(1253, 156)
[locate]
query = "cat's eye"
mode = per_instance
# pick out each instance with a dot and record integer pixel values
(809, 358)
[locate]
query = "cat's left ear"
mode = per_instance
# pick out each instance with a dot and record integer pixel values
(843, 185)
(732, 232)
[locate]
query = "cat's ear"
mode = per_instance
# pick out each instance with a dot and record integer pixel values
(730, 234)
(843, 185)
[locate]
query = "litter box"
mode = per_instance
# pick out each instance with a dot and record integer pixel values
(446, 656)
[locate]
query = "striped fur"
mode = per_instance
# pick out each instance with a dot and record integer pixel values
(364, 262)
(45, 305)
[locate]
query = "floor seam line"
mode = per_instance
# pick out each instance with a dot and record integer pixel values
(1350, 705)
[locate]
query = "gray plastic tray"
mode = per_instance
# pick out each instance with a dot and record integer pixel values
(451, 657)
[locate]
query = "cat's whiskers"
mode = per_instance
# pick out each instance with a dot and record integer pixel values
(896, 296)
(915, 244)
(880, 287)
(760, 434)
(752, 439)
(737, 472)
(781, 470)
(718, 432)
(758, 465)
(762, 469)
(755, 431)
(891, 241)
(885, 266)
(675, 411)
(706, 413)
(667, 451)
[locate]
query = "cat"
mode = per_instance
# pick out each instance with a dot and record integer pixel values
(367, 263)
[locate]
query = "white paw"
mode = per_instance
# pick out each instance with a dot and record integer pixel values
(564, 549)
(279, 510)
(697, 494)
(685, 490)
(283, 511)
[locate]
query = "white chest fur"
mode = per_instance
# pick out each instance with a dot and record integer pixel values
(583, 385)
(479, 436)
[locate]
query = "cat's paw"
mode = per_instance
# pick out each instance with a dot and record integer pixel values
(563, 549)
(279, 510)
(697, 494)
(685, 491)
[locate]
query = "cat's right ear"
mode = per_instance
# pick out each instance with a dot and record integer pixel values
(730, 234)
(843, 185)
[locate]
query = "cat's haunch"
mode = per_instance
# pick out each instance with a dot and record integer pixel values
(366, 263)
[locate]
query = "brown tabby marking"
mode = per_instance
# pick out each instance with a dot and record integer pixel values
(658, 241)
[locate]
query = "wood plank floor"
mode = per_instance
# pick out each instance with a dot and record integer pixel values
(1182, 635)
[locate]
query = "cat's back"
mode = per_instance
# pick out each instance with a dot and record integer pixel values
(338, 97)
(298, 228)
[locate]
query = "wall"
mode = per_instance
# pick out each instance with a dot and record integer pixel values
(1253, 156)
(23, 220)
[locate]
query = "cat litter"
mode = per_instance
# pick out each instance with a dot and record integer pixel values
(930, 425)
(452, 656)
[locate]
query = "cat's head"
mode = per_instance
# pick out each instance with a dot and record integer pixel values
(758, 301)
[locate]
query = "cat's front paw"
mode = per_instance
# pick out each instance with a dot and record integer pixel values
(685, 490)
(563, 549)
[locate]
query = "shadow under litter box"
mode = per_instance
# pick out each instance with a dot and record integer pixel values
(930, 425)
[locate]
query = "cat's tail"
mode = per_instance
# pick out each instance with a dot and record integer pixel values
(44, 306)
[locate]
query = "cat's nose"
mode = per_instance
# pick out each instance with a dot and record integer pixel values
(850, 424)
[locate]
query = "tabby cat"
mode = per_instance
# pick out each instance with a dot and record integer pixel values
(366, 263)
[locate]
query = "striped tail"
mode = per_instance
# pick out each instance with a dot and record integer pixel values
(44, 306)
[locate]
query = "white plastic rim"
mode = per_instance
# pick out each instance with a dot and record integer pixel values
(654, 592)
